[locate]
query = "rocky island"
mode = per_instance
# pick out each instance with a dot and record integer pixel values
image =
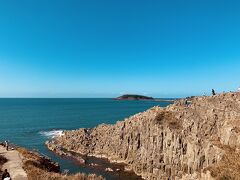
(199, 140)
(134, 97)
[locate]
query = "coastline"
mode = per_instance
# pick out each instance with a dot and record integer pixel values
(172, 126)
(24, 164)
(89, 112)
(167, 100)
(156, 100)
(102, 162)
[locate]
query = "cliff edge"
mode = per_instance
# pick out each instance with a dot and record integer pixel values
(197, 140)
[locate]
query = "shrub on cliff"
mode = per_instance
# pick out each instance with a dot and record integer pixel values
(2, 160)
(36, 173)
(169, 118)
(160, 118)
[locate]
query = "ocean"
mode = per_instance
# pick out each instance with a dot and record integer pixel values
(29, 122)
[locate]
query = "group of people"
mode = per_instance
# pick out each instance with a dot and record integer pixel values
(6, 175)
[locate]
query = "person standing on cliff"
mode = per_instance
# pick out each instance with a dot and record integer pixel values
(213, 92)
(6, 145)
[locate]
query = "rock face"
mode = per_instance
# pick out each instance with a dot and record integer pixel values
(200, 140)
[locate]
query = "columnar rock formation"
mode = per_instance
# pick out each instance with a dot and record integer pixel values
(199, 140)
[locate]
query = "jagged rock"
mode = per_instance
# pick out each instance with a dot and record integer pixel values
(60, 151)
(188, 141)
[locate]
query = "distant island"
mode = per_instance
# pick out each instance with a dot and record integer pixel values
(134, 97)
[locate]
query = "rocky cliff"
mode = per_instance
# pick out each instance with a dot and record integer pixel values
(197, 140)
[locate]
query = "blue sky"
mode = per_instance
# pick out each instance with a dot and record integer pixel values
(95, 48)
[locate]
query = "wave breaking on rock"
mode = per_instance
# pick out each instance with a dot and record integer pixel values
(52, 133)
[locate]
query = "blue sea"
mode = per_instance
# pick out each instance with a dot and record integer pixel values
(30, 122)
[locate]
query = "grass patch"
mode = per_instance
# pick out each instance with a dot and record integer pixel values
(36, 173)
(167, 118)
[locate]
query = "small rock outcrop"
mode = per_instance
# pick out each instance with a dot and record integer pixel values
(196, 140)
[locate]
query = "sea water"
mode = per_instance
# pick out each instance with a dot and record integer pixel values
(30, 122)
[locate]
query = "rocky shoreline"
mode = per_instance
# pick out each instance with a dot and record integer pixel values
(41, 167)
(85, 160)
(181, 141)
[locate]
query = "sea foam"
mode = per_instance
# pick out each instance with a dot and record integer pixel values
(52, 133)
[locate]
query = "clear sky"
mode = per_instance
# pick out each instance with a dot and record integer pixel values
(104, 48)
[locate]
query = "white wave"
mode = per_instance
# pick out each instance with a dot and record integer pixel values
(52, 134)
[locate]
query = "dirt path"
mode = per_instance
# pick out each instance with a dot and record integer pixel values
(14, 164)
